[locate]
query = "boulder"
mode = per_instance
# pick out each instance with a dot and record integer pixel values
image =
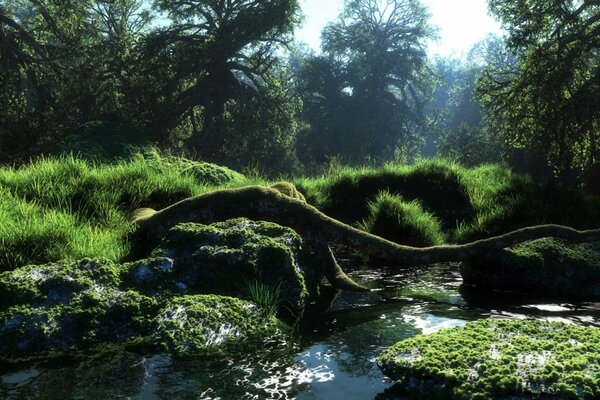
(493, 359)
(546, 266)
(47, 310)
(235, 257)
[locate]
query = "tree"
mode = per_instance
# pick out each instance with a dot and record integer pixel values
(218, 52)
(551, 101)
(63, 63)
(367, 91)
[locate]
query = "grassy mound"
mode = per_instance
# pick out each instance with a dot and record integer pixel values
(470, 203)
(436, 184)
(69, 208)
(492, 359)
(403, 222)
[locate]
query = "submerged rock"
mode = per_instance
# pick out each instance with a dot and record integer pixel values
(492, 359)
(546, 266)
(231, 257)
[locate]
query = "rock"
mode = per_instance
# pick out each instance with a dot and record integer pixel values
(493, 359)
(546, 266)
(204, 324)
(47, 310)
(228, 258)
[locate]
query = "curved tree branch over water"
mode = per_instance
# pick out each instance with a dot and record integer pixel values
(260, 203)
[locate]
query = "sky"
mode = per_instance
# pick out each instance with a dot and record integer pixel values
(461, 23)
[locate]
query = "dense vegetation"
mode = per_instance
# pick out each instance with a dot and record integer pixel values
(68, 208)
(224, 82)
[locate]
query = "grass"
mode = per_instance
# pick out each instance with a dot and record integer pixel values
(68, 208)
(469, 203)
(406, 222)
(267, 298)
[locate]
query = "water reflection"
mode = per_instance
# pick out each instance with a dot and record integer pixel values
(333, 357)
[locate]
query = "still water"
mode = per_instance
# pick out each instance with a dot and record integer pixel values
(332, 356)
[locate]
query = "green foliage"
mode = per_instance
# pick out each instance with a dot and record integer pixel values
(403, 222)
(363, 98)
(68, 208)
(491, 359)
(547, 101)
(104, 141)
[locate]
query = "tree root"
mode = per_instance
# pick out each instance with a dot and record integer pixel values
(319, 230)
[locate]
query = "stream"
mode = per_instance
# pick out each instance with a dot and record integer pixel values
(331, 357)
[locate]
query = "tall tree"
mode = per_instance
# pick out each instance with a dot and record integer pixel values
(374, 66)
(220, 51)
(551, 102)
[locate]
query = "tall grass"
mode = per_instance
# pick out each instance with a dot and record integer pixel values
(67, 208)
(404, 222)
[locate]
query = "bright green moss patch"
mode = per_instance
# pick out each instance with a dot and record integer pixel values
(403, 222)
(226, 257)
(205, 324)
(492, 359)
(546, 266)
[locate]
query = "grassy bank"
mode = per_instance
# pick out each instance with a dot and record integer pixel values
(69, 208)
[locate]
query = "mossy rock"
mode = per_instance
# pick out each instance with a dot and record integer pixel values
(227, 257)
(289, 189)
(493, 359)
(57, 308)
(546, 266)
(56, 283)
(208, 324)
(203, 172)
(93, 316)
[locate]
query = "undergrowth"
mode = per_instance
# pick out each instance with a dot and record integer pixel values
(67, 208)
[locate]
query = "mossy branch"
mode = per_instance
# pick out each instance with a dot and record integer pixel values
(268, 204)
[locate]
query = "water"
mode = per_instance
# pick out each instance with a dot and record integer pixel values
(332, 357)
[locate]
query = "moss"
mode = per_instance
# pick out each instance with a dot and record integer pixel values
(224, 258)
(492, 359)
(288, 189)
(206, 324)
(546, 266)
(203, 172)
(55, 282)
(403, 222)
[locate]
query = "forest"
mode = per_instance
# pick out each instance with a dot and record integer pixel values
(196, 204)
